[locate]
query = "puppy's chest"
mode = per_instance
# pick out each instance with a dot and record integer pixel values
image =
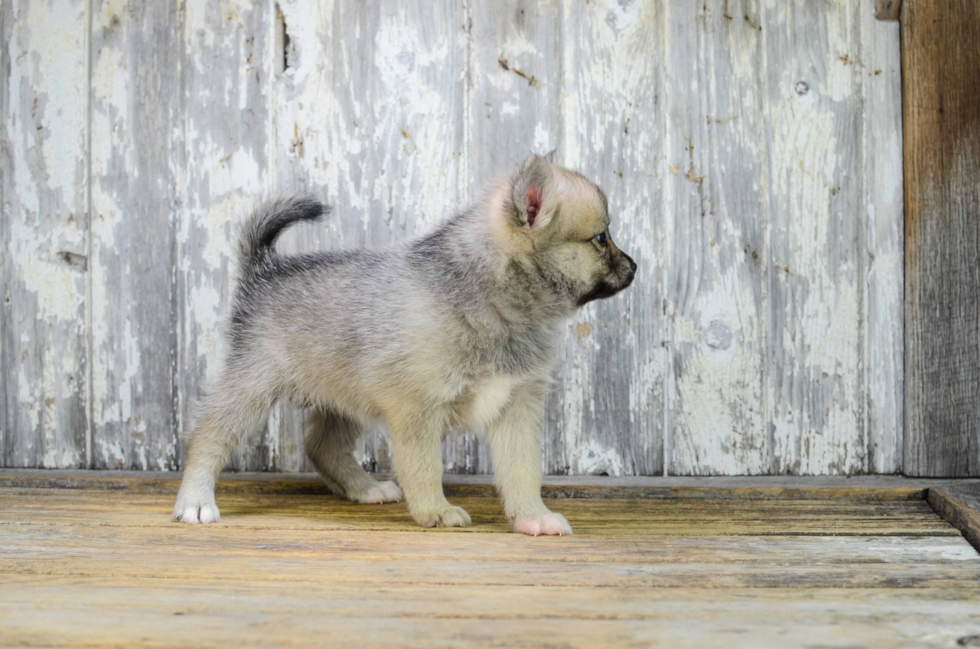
(517, 352)
(482, 402)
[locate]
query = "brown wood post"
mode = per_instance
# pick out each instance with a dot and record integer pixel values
(941, 115)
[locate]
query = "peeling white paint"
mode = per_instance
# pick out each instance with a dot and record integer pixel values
(45, 59)
(592, 459)
(721, 169)
(61, 81)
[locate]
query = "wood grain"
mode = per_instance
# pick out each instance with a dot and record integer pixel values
(59, 611)
(749, 151)
(816, 263)
(606, 415)
(869, 489)
(136, 153)
(5, 165)
(631, 518)
(108, 569)
(884, 243)
(941, 108)
(229, 67)
(717, 286)
(44, 233)
(959, 505)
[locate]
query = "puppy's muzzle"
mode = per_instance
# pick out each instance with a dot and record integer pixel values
(621, 277)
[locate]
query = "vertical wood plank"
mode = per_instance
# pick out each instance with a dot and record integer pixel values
(816, 195)
(229, 51)
(136, 153)
(369, 116)
(941, 109)
(6, 24)
(512, 105)
(610, 390)
(716, 152)
(43, 230)
(885, 348)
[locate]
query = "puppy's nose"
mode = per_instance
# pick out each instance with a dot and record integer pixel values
(632, 263)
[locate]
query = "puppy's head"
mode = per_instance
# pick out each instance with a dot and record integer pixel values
(559, 223)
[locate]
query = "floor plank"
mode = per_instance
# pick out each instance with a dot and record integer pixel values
(959, 505)
(685, 517)
(105, 568)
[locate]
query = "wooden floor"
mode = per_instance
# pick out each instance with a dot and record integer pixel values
(106, 567)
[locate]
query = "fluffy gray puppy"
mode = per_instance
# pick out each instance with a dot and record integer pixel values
(457, 329)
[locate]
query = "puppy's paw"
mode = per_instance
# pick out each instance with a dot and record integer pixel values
(380, 492)
(547, 524)
(443, 517)
(196, 510)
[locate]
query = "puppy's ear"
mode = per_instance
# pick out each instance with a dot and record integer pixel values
(534, 193)
(550, 156)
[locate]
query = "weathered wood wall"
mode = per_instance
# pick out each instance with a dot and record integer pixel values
(751, 151)
(941, 77)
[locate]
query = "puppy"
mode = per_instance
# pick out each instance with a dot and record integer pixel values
(457, 329)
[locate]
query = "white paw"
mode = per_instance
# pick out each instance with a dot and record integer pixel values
(380, 492)
(443, 517)
(548, 524)
(193, 510)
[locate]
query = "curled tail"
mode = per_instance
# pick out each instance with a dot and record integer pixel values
(260, 231)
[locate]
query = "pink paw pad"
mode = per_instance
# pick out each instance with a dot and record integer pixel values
(550, 524)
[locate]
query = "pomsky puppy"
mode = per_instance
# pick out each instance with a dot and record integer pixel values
(457, 329)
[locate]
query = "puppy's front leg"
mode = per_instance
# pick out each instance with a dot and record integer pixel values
(416, 443)
(515, 441)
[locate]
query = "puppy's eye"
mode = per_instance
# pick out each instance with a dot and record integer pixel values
(601, 239)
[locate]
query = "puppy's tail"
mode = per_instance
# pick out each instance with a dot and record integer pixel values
(260, 231)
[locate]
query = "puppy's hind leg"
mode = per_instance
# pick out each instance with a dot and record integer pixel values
(330, 440)
(228, 413)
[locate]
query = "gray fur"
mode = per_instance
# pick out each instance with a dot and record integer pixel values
(457, 329)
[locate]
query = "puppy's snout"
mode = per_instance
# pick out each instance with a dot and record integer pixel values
(629, 274)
